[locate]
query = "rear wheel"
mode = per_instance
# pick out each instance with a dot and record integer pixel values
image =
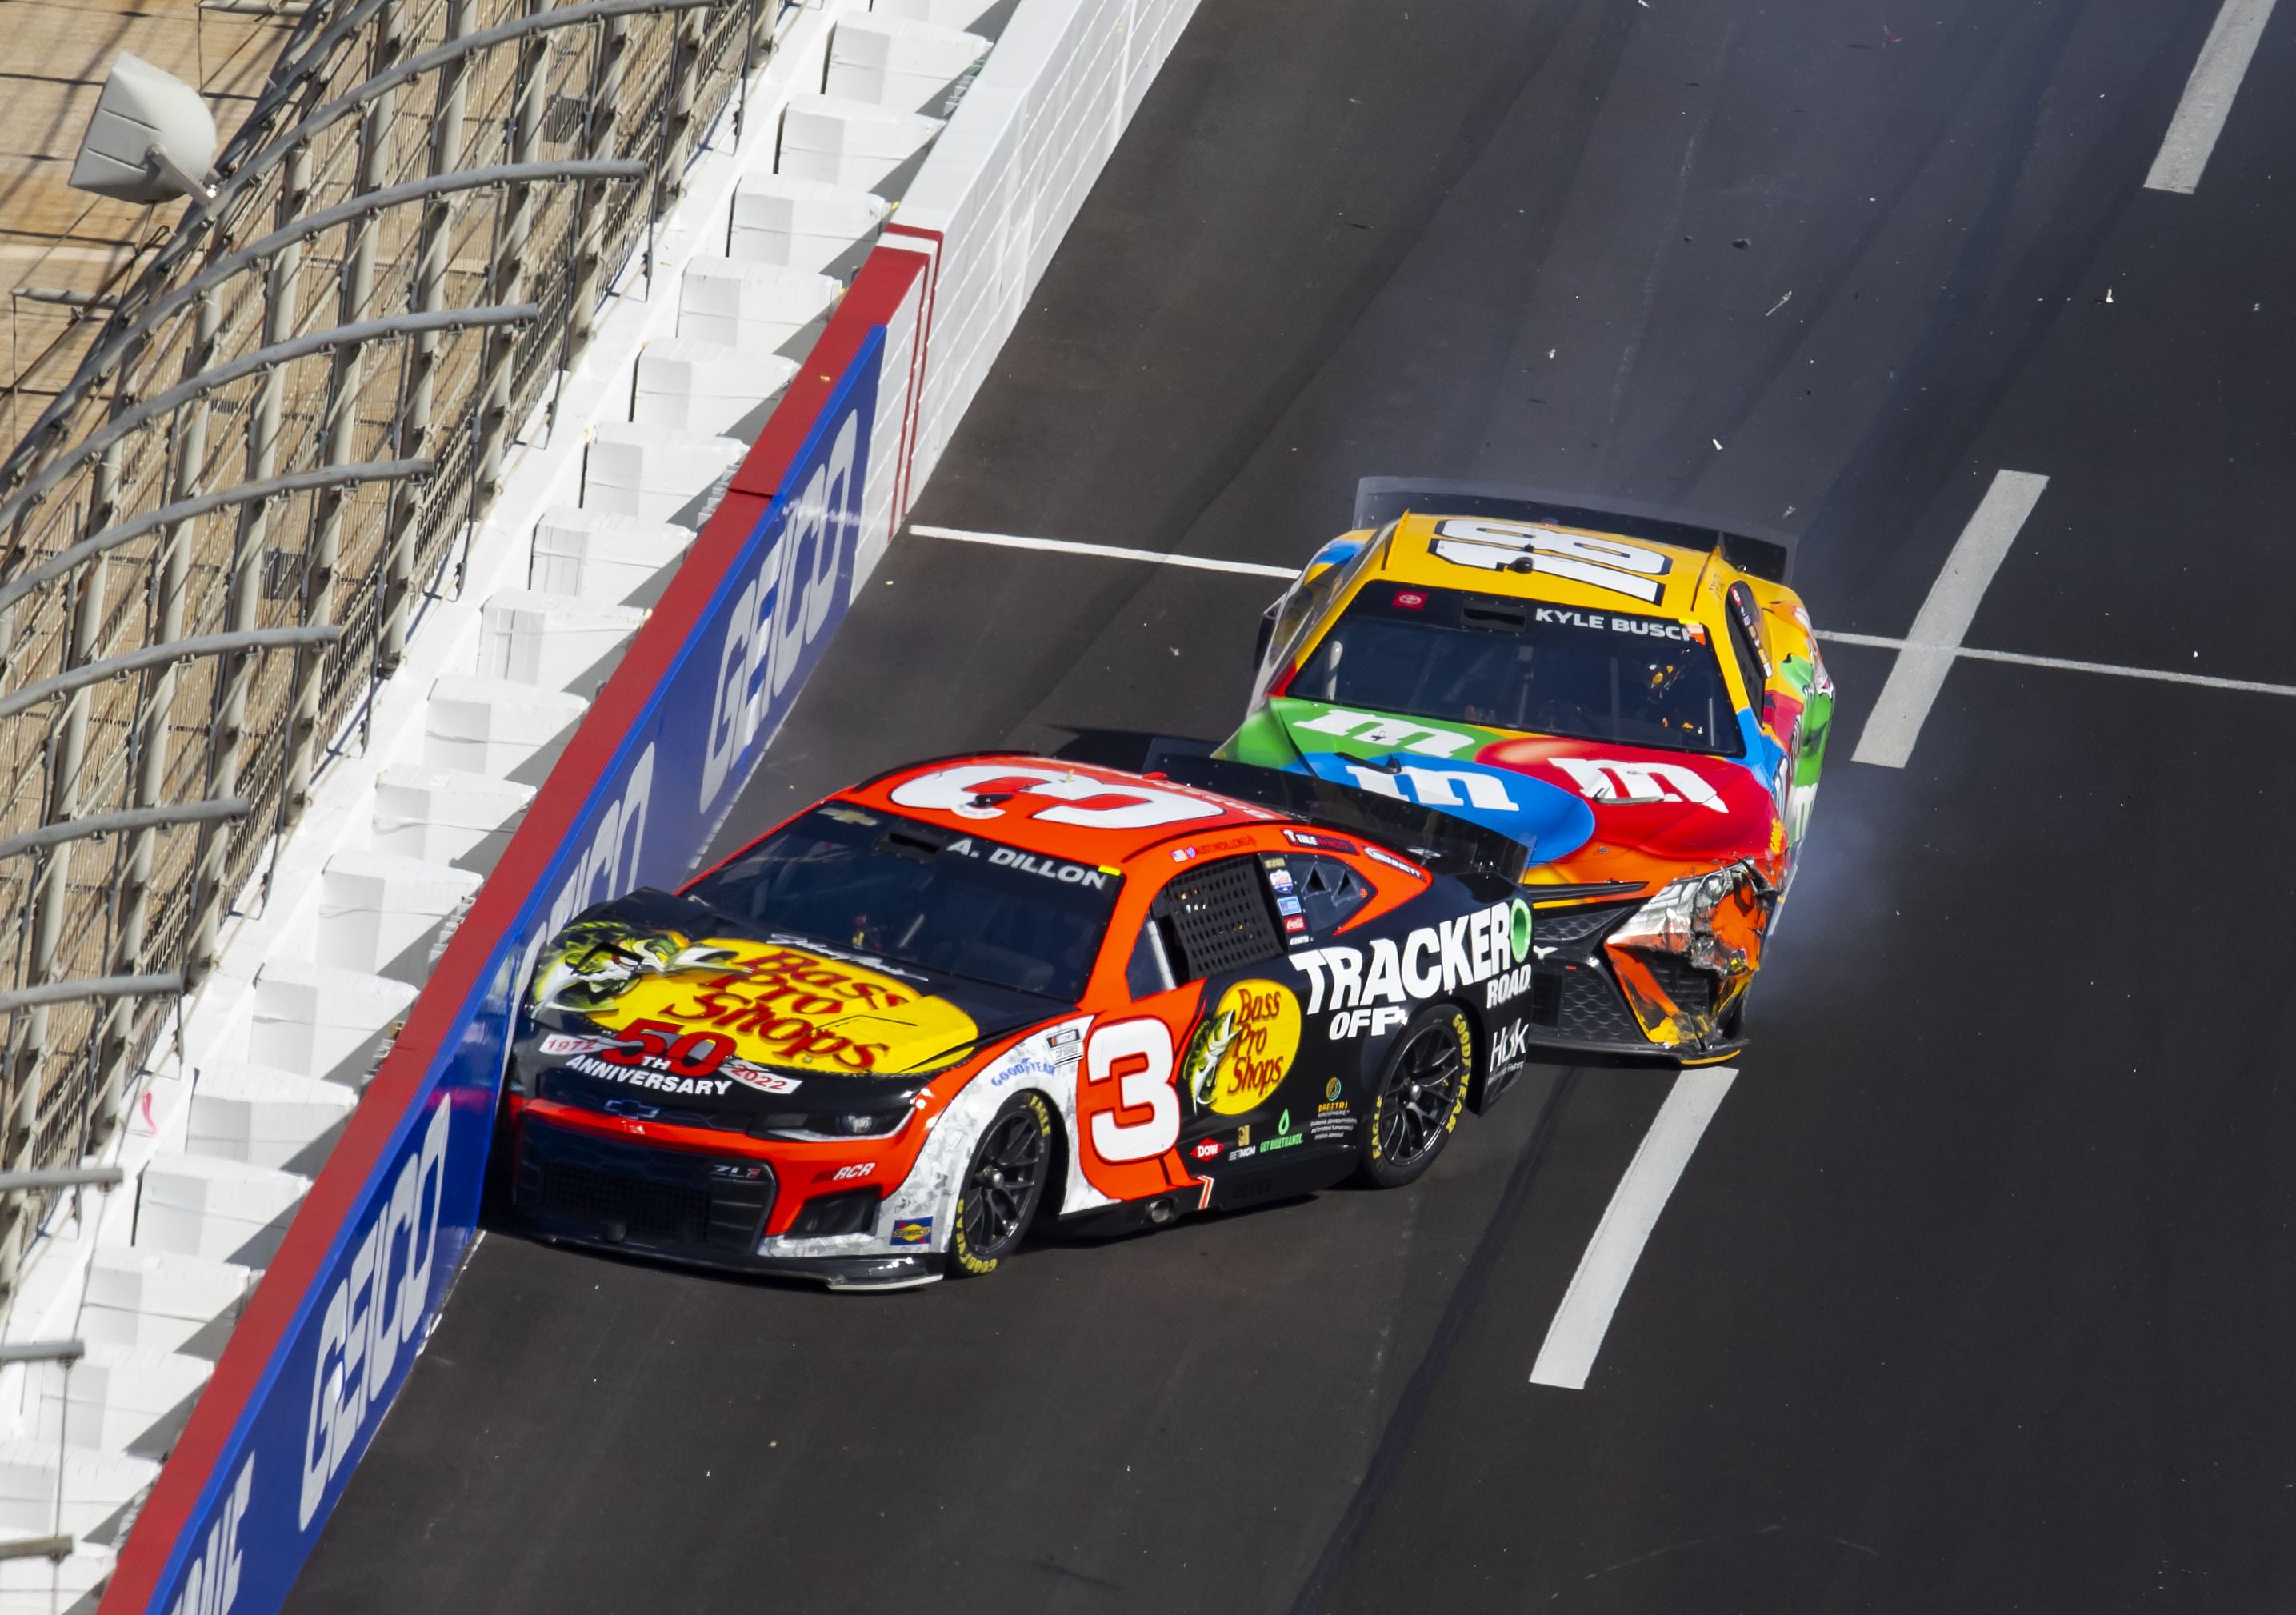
(1003, 1182)
(1416, 1101)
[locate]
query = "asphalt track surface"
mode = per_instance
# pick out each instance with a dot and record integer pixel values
(1974, 1295)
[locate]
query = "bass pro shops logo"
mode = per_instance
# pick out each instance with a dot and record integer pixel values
(786, 604)
(1243, 1048)
(377, 1307)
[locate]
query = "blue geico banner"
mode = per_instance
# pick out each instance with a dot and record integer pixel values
(647, 809)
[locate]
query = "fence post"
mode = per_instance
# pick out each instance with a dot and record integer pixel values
(415, 441)
(319, 563)
(244, 592)
(598, 126)
(152, 715)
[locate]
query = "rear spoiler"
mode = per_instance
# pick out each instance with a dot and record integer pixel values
(1763, 552)
(1442, 842)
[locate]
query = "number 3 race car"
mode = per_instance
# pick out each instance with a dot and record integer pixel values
(869, 1047)
(1636, 699)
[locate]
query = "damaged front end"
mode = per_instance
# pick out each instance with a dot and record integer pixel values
(1685, 958)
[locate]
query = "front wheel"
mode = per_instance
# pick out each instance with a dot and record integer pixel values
(997, 1197)
(1416, 1101)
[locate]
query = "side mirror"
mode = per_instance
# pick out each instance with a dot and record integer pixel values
(150, 139)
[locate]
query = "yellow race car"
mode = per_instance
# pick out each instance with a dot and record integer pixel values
(1633, 696)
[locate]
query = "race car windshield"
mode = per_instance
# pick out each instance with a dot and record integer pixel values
(880, 884)
(1517, 664)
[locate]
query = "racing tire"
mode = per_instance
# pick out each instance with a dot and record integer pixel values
(1003, 1185)
(1416, 1098)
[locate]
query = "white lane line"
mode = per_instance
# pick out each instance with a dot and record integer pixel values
(1069, 546)
(1253, 569)
(2208, 96)
(2017, 659)
(1919, 672)
(1581, 1323)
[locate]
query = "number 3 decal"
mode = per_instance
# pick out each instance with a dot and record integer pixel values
(1136, 1055)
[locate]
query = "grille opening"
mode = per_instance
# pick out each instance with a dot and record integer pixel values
(624, 1208)
(1546, 997)
(851, 1212)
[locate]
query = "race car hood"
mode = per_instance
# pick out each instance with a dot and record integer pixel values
(1564, 798)
(663, 1000)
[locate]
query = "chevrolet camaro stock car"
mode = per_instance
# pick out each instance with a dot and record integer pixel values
(1520, 776)
(867, 1048)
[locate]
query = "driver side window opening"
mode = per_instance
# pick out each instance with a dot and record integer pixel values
(1742, 645)
(1214, 917)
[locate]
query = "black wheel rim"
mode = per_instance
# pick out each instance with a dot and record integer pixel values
(1001, 1189)
(1421, 1091)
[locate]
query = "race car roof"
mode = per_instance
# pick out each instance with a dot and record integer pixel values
(1537, 561)
(1085, 815)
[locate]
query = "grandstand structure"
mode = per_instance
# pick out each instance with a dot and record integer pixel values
(287, 405)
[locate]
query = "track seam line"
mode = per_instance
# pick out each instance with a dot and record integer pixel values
(1395, 1441)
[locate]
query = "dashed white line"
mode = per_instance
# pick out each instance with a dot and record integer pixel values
(1576, 1335)
(1919, 672)
(1253, 568)
(2018, 659)
(1069, 547)
(2208, 96)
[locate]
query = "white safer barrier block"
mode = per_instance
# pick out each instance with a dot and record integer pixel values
(853, 142)
(600, 556)
(119, 1397)
(759, 307)
(162, 1301)
(265, 1118)
(655, 473)
(559, 642)
(192, 1205)
(322, 1019)
(378, 910)
(36, 1587)
(693, 385)
(493, 726)
(446, 815)
(897, 62)
(981, 16)
(804, 224)
(97, 1486)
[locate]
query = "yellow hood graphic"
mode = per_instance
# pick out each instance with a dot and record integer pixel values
(791, 1008)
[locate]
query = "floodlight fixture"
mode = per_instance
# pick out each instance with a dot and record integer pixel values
(151, 138)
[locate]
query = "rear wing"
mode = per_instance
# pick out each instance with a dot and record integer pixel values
(1442, 842)
(1765, 552)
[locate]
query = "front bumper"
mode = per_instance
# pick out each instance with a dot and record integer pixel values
(676, 1206)
(1577, 1010)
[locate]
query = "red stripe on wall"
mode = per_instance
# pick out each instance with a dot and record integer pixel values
(876, 296)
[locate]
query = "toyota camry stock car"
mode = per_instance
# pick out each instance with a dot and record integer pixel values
(870, 1047)
(1635, 697)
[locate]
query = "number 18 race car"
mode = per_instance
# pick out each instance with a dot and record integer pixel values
(1635, 697)
(873, 1047)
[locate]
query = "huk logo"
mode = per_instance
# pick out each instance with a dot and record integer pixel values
(212, 1581)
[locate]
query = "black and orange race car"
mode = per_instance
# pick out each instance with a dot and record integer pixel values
(877, 1045)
